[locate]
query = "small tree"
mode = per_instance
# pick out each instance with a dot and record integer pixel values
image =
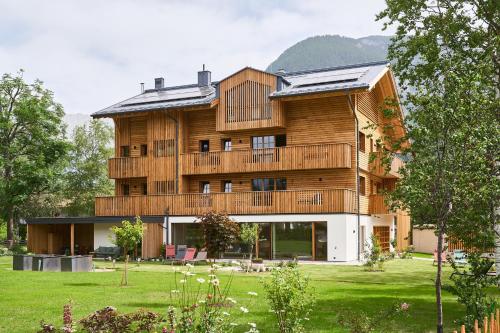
(219, 232)
(248, 236)
(374, 255)
(127, 237)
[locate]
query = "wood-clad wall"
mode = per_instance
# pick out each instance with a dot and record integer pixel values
(244, 102)
(152, 240)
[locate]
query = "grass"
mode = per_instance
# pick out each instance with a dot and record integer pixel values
(28, 297)
(422, 255)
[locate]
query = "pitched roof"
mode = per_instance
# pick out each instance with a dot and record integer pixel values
(332, 79)
(357, 76)
(165, 98)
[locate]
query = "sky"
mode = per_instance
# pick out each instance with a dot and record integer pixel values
(95, 53)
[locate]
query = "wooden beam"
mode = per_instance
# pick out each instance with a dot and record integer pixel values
(72, 237)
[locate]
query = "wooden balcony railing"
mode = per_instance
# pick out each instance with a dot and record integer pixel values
(377, 205)
(318, 156)
(127, 167)
(300, 201)
(378, 169)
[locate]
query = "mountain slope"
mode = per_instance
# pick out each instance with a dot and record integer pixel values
(331, 50)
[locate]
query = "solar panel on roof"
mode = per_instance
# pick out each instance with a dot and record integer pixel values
(325, 83)
(169, 95)
(327, 77)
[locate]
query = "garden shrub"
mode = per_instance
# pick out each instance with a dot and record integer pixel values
(408, 252)
(203, 306)
(290, 297)
(19, 249)
(219, 232)
(360, 322)
(4, 251)
(374, 258)
(470, 285)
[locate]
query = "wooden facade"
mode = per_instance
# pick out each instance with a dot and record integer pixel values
(165, 159)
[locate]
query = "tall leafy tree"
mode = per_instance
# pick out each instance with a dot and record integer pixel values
(32, 144)
(446, 51)
(87, 175)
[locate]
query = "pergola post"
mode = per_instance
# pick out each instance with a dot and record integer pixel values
(72, 237)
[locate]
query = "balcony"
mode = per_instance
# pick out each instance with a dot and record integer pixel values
(193, 204)
(379, 170)
(377, 205)
(320, 156)
(127, 167)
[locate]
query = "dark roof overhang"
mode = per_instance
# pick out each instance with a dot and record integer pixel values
(92, 219)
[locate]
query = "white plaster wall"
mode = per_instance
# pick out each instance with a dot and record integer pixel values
(341, 229)
(424, 240)
(101, 234)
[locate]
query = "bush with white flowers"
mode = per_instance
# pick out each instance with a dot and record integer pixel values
(202, 305)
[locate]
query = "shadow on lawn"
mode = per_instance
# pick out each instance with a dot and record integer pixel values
(420, 318)
(81, 284)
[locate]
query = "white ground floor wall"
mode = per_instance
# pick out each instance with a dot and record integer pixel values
(103, 234)
(342, 229)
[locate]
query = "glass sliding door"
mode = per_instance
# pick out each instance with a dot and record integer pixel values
(292, 240)
(320, 241)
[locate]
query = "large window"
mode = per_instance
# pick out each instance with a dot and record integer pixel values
(269, 184)
(362, 142)
(292, 240)
(268, 141)
(189, 234)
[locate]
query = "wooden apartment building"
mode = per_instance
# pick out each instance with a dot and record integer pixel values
(289, 151)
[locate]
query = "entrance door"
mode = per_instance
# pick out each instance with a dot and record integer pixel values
(264, 245)
(383, 236)
(320, 241)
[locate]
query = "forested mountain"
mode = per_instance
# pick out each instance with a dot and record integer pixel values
(331, 50)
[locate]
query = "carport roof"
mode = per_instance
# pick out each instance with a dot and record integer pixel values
(92, 219)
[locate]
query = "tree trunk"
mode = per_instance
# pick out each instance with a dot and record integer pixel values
(439, 303)
(124, 275)
(250, 257)
(10, 230)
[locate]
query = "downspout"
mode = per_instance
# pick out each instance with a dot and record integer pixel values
(176, 152)
(356, 121)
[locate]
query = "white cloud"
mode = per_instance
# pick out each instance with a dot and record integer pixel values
(94, 53)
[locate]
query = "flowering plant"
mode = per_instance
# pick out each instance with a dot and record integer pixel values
(202, 305)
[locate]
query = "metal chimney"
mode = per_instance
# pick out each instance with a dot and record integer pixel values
(159, 83)
(142, 87)
(204, 77)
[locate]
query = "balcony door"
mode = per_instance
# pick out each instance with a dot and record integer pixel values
(264, 188)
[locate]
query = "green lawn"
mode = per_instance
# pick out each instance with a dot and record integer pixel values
(28, 297)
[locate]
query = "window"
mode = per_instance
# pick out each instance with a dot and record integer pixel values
(281, 140)
(144, 188)
(261, 142)
(162, 148)
(204, 146)
(226, 144)
(126, 189)
(269, 184)
(371, 145)
(124, 151)
(227, 186)
(361, 136)
(164, 187)
(144, 150)
(362, 185)
(205, 187)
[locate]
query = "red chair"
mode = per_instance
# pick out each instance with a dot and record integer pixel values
(189, 254)
(169, 251)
